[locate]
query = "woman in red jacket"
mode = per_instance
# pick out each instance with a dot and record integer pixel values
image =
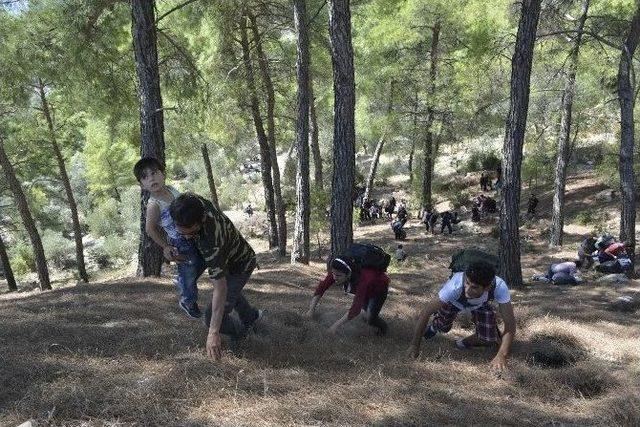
(369, 287)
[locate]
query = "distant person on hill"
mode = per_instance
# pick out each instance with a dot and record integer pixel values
(485, 182)
(446, 219)
(249, 210)
(470, 291)
(401, 255)
(426, 217)
(150, 174)
(532, 205)
(613, 251)
(498, 185)
(586, 250)
(475, 214)
(369, 286)
(391, 207)
(231, 261)
(433, 220)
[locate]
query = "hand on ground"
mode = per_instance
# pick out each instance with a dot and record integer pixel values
(499, 363)
(214, 346)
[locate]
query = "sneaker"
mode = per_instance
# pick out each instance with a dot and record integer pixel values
(193, 311)
(430, 332)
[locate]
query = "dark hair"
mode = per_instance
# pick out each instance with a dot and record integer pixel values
(578, 263)
(481, 273)
(187, 209)
(147, 163)
(353, 270)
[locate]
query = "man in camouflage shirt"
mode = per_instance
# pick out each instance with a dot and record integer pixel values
(230, 260)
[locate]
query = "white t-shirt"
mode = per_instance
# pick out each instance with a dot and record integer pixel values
(454, 288)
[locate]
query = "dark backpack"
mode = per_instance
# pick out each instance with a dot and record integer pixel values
(461, 259)
(368, 255)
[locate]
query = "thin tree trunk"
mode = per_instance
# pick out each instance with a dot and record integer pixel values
(27, 219)
(263, 63)
(564, 139)
(265, 156)
(143, 31)
(62, 169)
(344, 126)
(300, 251)
(513, 142)
(210, 180)
(6, 267)
(381, 141)
(414, 137)
(429, 152)
(626, 83)
(313, 138)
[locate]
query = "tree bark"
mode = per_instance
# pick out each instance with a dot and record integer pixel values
(313, 137)
(626, 84)
(263, 63)
(557, 215)
(27, 219)
(414, 137)
(300, 251)
(265, 156)
(343, 126)
(513, 142)
(429, 152)
(77, 232)
(381, 141)
(143, 31)
(6, 267)
(210, 180)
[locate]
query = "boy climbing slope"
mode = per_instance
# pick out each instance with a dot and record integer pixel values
(471, 291)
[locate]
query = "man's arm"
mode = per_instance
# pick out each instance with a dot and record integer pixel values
(152, 229)
(218, 299)
(312, 306)
(499, 362)
(341, 321)
(432, 307)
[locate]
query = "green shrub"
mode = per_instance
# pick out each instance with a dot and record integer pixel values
(115, 250)
(482, 160)
(105, 219)
(233, 191)
(59, 250)
(23, 260)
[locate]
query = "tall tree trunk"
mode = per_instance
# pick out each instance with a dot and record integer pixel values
(416, 105)
(626, 84)
(343, 126)
(381, 141)
(513, 142)
(313, 138)
(210, 180)
(564, 139)
(27, 219)
(143, 31)
(263, 62)
(300, 251)
(265, 156)
(429, 152)
(6, 267)
(62, 169)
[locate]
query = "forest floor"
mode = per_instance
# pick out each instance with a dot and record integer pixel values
(120, 352)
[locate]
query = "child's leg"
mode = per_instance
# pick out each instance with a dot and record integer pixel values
(189, 271)
(487, 332)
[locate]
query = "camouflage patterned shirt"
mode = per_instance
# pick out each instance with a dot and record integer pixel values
(223, 248)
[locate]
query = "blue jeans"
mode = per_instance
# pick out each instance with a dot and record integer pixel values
(189, 270)
(235, 301)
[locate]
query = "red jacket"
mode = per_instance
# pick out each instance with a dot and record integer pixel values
(370, 284)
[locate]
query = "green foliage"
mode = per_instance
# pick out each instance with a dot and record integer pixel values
(607, 168)
(114, 250)
(596, 219)
(233, 192)
(483, 160)
(58, 250)
(22, 259)
(105, 219)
